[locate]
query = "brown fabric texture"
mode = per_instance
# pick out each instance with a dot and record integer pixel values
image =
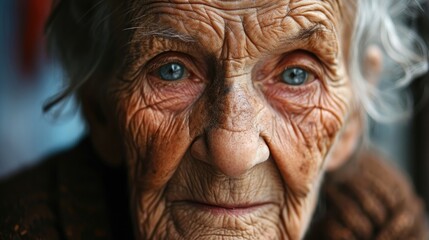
(74, 196)
(60, 199)
(369, 199)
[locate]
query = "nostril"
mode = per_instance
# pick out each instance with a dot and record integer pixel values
(199, 149)
(263, 152)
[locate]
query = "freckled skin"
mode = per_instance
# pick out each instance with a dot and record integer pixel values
(230, 132)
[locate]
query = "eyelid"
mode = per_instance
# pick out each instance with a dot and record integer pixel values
(312, 75)
(194, 70)
(304, 60)
(155, 63)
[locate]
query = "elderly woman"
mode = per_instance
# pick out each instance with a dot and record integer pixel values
(224, 120)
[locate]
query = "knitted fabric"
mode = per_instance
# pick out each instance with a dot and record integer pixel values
(369, 199)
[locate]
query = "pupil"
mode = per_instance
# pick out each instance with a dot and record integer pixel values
(171, 72)
(294, 76)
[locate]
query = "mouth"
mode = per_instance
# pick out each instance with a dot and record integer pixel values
(225, 208)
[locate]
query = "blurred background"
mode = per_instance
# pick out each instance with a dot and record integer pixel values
(28, 77)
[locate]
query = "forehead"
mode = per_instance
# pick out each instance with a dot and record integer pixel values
(236, 5)
(241, 28)
(231, 9)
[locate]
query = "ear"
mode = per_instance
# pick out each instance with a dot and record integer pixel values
(373, 64)
(103, 136)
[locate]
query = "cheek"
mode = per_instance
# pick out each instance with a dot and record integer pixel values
(307, 123)
(153, 121)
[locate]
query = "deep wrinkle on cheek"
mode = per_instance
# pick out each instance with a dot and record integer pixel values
(306, 137)
(171, 134)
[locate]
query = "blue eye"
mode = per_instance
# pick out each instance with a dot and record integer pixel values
(294, 76)
(171, 71)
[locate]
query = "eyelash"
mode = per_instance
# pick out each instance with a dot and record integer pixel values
(308, 64)
(304, 67)
(158, 62)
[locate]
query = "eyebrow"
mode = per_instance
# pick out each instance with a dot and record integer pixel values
(153, 30)
(169, 33)
(307, 33)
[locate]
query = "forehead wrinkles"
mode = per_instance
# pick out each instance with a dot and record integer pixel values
(216, 25)
(322, 12)
(226, 5)
(232, 30)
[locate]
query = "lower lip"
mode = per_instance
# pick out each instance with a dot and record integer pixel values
(227, 210)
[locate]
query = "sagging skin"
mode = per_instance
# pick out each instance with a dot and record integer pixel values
(229, 149)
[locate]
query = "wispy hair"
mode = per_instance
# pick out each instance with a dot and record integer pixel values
(389, 25)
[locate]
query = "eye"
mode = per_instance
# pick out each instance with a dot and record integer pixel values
(295, 76)
(171, 71)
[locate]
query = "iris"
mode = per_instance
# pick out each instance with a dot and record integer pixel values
(171, 71)
(294, 76)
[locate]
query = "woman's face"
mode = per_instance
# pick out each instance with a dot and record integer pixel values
(226, 115)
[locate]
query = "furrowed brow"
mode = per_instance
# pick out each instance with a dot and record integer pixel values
(307, 33)
(153, 30)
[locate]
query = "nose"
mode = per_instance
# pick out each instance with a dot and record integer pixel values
(233, 144)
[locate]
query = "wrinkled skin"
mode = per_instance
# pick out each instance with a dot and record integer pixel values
(229, 151)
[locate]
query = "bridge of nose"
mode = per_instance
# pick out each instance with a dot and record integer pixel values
(234, 144)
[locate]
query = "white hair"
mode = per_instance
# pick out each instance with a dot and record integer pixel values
(81, 34)
(387, 24)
